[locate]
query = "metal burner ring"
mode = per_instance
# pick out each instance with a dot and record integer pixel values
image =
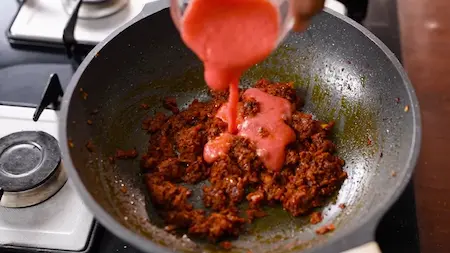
(30, 168)
(95, 9)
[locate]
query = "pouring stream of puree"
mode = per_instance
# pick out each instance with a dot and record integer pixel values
(230, 36)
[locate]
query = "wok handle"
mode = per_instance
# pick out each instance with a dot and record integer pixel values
(370, 247)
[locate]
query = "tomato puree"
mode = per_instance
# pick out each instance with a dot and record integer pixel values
(217, 147)
(230, 36)
(267, 129)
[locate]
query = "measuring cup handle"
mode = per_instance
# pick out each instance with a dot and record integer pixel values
(370, 247)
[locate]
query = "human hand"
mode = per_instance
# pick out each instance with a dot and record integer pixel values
(304, 10)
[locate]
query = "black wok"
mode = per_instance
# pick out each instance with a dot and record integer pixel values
(343, 72)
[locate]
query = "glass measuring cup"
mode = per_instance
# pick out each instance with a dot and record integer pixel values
(286, 19)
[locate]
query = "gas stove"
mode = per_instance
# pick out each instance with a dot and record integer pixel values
(44, 21)
(39, 207)
(45, 36)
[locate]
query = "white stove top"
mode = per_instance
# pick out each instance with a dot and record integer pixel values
(44, 20)
(62, 222)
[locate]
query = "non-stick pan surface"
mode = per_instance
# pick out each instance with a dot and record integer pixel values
(341, 70)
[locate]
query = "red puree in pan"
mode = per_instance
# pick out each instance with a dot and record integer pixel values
(230, 36)
(267, 129)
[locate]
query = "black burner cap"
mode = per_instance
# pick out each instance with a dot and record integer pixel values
(27, 159)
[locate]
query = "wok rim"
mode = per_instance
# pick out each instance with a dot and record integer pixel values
(355, 236)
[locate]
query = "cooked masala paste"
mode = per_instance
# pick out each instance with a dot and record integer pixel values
(278, 156)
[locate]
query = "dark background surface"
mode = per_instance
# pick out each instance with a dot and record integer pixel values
(425, 36)
(24, 74)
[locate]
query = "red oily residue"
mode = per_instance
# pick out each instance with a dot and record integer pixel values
(274, 111)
